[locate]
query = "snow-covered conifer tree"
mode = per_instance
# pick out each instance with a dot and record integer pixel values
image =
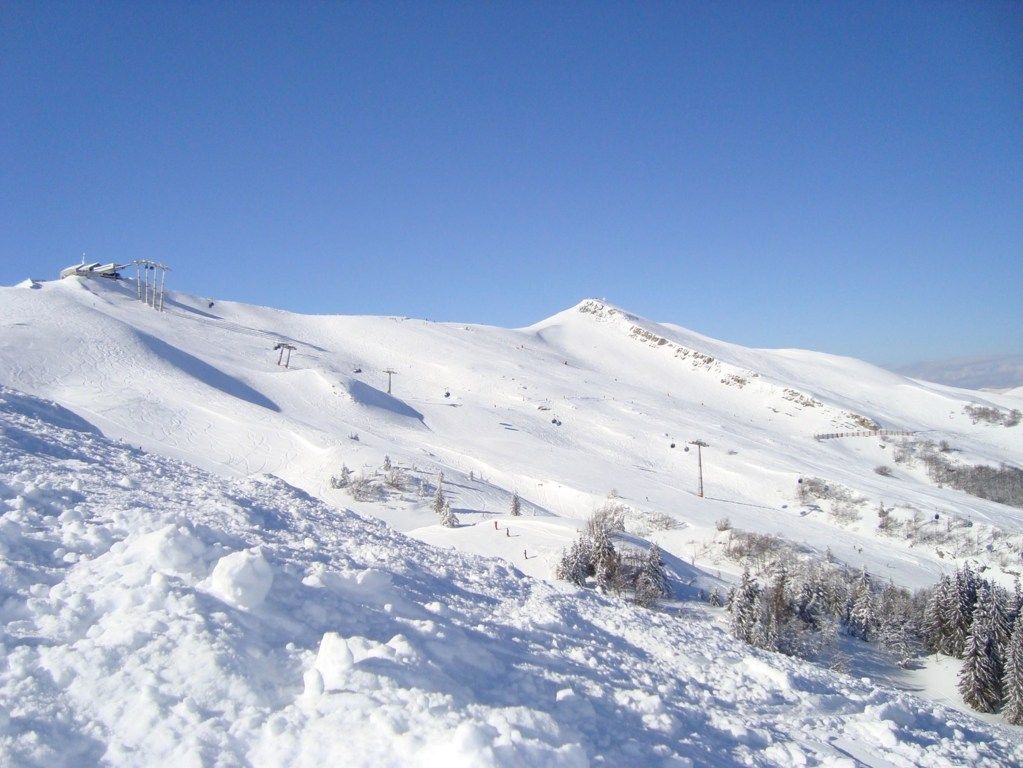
(1016, 604)
(342, 479)
(438, 498)
(516, 505)
(447, 517)
(959, 615)
(862, 618)
(766, 632)
(576, 563)
(651, 580)
(745, 608)
(980, 678)
(1012, 683)
(778, 602)
(938, 607)
(607, 563)
(1001, 609)
(810, 602)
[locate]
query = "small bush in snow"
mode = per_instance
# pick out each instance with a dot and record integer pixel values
(885, 521)
(884, 470)
(610, 517)
(658, 521)
(395, 478)
(844, 512)
(361, 487)
(342, 479)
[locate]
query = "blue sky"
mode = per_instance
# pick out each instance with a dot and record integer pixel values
(845, 177)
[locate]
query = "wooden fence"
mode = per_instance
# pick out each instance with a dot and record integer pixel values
(864, 433)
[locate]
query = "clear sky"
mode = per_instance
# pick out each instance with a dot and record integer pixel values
(841, 176)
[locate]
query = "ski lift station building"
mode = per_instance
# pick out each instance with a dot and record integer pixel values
(96, 269)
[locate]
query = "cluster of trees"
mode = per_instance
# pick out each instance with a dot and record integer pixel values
(991, 415)
(363, 487)
(1003, 484)
(366, 487)
(969, 618)
(592, 559)
(802, 606)
(844, 503)
(359, 486)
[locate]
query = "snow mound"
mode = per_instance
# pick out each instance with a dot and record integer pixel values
(333, 660)
(242, 579)
(155, 614)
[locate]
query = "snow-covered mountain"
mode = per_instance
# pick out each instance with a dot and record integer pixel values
(125, 557)
(561, 412)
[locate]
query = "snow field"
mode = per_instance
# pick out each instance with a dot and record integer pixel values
(201, 384)
(155, 614)
(145, 579)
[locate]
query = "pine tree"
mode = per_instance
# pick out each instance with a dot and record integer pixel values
(980, 678)
(862, 619)
(516, 505)
(1002, 608)
(387, 462)
(607, 563)
(938, 607)
(1013, 680)
(438, 498)
(1016, 606)
(651, 580)
(576, 563)
(447, 517)
(745, 608)
(809, 607)
(893, 638)
(343, 479)
(768, 631)
(959, 615)
(778, 603)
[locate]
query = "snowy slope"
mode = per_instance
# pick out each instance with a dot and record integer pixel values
(200, 383)
(155, 614)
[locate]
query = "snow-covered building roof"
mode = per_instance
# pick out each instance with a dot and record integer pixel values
(95, 269)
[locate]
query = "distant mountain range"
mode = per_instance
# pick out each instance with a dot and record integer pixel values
(987, 372)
